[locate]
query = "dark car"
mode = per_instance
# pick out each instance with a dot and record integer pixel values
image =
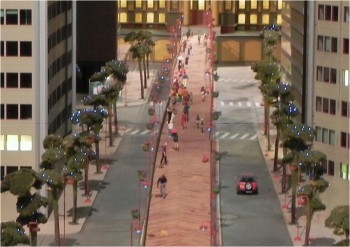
(246, 183)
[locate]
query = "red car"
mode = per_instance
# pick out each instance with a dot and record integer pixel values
(246, 183)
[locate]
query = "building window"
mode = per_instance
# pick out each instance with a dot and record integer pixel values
(266, 4)
(327, 42)
(138, 3)
(346, 14)
(344, 140)
(333, 78)
(334, 45)
(2, 113)
(253, 4)
(201, 4)
(161, 4)
(26, 143)
(2, 48)
(279, 19)
(325, 74)
(318, 134)
(332, 137)
(332, 106)
(123, 17)
(138, 17)
(11, 111)
(11, 17)
(345, 46)
(253, 19)
(12, 142)
(228, 4)
(328, 13)
(25, 17)
(26, 49)
(318, 104)
(320, 43)
(161, 18)
(265, 19)
(150, 4)
(345, 109)
(122, 3)
(319, 73)
(279, 4)
(345, 77)
(330, 168)
(150, 17)
(25, 111)
(11, 48)
(241, 19)
(2, 16)
(321, 12)
(325, 135)
(2, 79)
(2, 142)
(241, 4)
(325, 105)
(344, 171)
(25, 80)
(12, 80)
(334, 13)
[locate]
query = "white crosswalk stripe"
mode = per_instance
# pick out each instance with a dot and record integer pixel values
(127, 130)
(231, 103)
(224, 135)
(134, 132)
(244, 136)
(222, 103)
(240, 104)
(145, 132)
(257, 104)
(234, 136)
(253, 137)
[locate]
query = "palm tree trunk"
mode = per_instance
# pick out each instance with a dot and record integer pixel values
(110, 126)
(294, 194)
(144, 72)
(284, 179)
(308, 221)
(147, 63)
(75, 198)
(97, 147)
(265, 116)
(141, 78)
(56, 215)
(115, 117)
(34, 238)
(268, 128)
(275, 160)
(86, 177)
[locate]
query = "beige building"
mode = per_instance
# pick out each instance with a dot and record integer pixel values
(37, 82)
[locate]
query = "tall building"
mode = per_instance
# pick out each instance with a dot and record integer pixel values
(315, 60)
(37, 81)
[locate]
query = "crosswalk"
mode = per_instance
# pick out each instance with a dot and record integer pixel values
(240, 104)
(219, 135)
(240, 80)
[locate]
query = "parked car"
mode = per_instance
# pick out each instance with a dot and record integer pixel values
(246, 183)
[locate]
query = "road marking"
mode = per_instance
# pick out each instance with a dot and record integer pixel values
(253, 137)
(257, 104)
(134, 132)
(244, 136)
(217, 133)
(145, 132)
(127, 130)
(249, 104)
(222, 103)
(231, 103)
(234, 136)
(224, 135)
(239, 103)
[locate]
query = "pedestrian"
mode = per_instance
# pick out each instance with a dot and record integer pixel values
(199, 39)
(169, 112)
(202, 125)
(186, 60)
(176, 140)
(162, 180)
(198, 120)
(164, 155)
(183, 120)
(186, 110)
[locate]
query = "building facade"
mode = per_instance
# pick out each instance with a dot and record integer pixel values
(37, 81)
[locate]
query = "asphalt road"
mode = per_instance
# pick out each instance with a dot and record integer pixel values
(246, 220)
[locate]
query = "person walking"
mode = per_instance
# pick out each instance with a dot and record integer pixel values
(162, 181)
(199, 39)
(198, 120)
(202, 125)
(169, 112)
(183, 120)
(176, 140)
(186, 110)
(164, 155)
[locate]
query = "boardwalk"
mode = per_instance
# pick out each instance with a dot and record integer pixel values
(176, 220)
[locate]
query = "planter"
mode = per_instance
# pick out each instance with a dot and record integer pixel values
(293, 167)
(135, 213)
(146, 146)
(216, 94)
(215, 77)
(150, 111)
(216, 190)
(216, 115)
(218, 156)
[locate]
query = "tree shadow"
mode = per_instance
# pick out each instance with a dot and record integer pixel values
(321, 241)
(93, 185)
(66, 242)
(82, 212)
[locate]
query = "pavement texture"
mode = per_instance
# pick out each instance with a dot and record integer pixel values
(177, 219)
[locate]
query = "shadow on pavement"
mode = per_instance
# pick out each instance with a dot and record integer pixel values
(82, 212)
(321, 241)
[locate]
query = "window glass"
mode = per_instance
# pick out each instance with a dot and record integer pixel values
(2, 80)
(138, 3)
(201, 4)
(26, 80)
(25, 111)
(253, 19)
(279, 4)
(265, 19)
(150, 17)
(320, 43)
(2, 113)
(2, 17)
(332, 137)
(161, 18)
(346, 77)
(150, 4)
(26, 48)
(318, 104)
(346, 14)
(25, 17)
(333, 78)
(279, 19)
(266, 4)
(241, 4)
(335, 13)
(162, 4)
(327, 46)
(332, 106)
(11, 169)
(319, 134)
(2, 142)
(138, 17)
(12, 80)
(321, 12)
(334, 45)
(123, 17)
(345, 46)
(328, 12)
(12, 111)
(326, 74)
(331, 168)
(343, 139)
(344, 171)
(11, 17)
(26, 143)
(2, 48)
(344, 109)
(319, 73)
(11, 48)
(12, 142)
(325, 135)
(122, 3)
(325, 105)
(241, 19)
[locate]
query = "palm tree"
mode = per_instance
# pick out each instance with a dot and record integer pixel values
(138, 53)
(52, 161)
(12, 234)
(283, 114)
(312, 163)
(20, 184)
(338, 220)
(297, 138)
